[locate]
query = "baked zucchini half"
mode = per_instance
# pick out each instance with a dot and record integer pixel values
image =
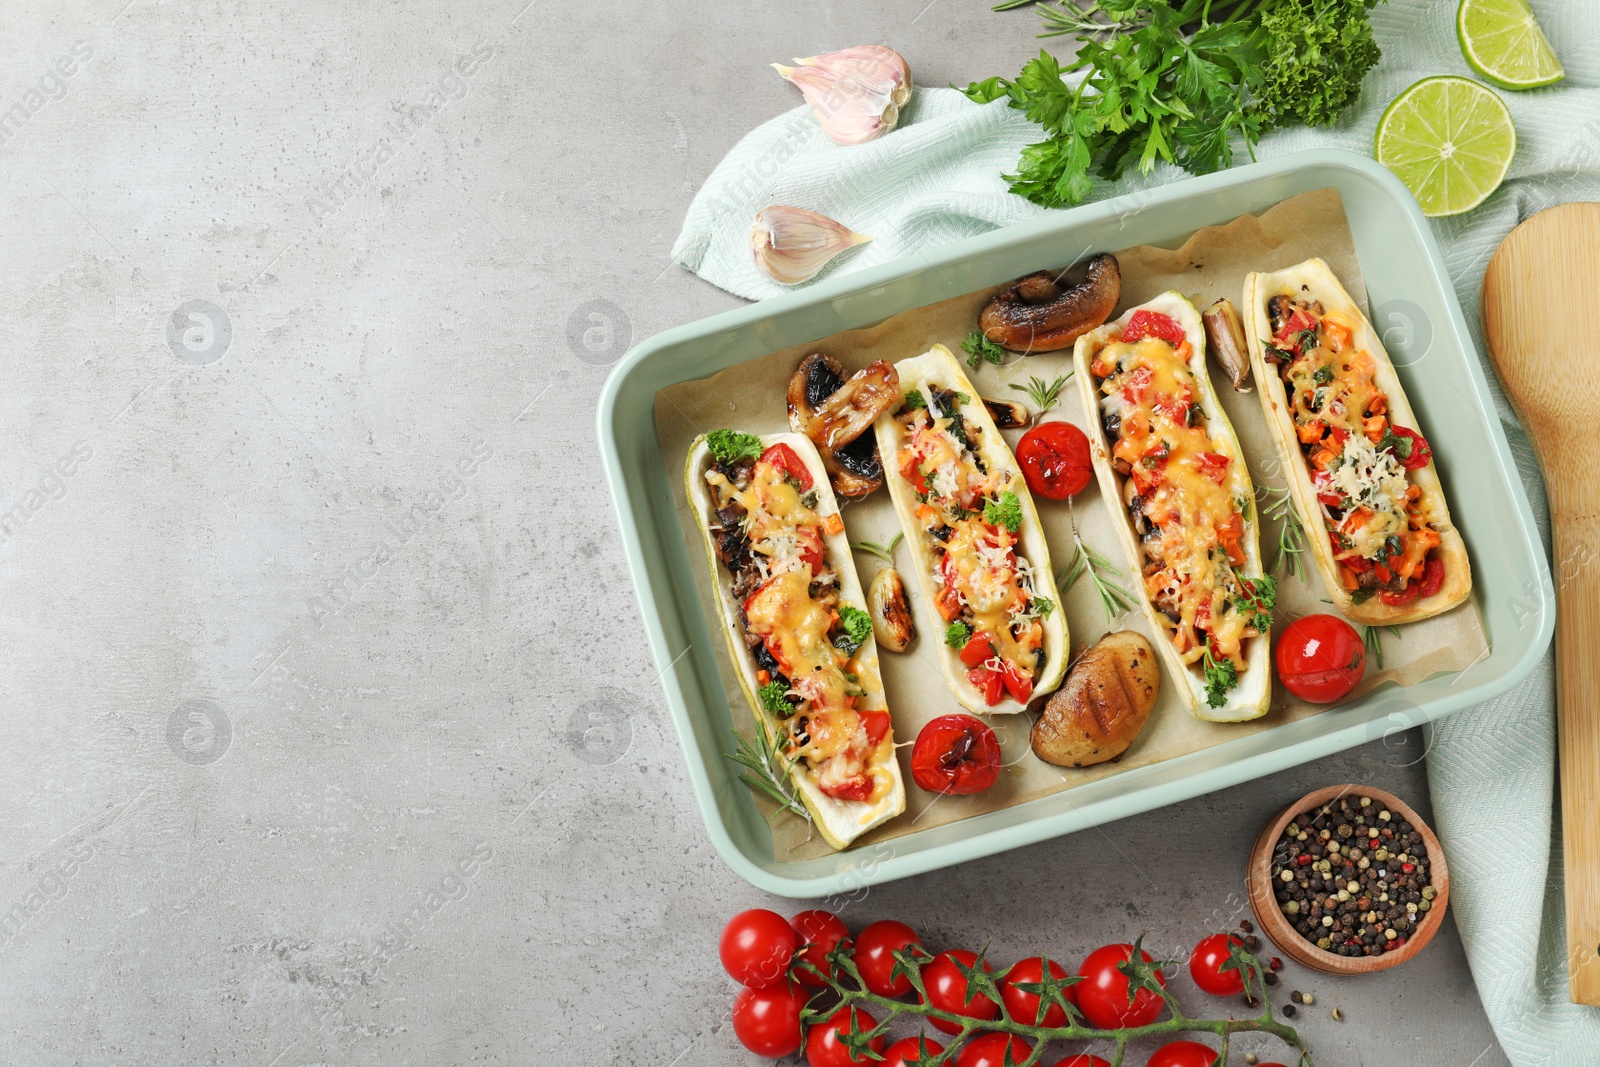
(1360, 472)
(796, 623)
(980, 553)
(1172, 471)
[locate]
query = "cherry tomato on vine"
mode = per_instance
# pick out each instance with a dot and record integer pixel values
(1207, 966)
(1083, 1059)
(911, 1052)
(874, 956)
(1320, 658)
(1055, 460)
(767, 1021)
(1102, 996)
(990, 1051)
(1183, 1054)
(1023, 1006)
(947, 989)
(825, 1047)
(821, 931)
(757, 947)
(956, 755)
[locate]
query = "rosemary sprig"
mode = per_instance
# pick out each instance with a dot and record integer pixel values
(883, 552)
(1045, 395)
(1085, 560)
(1277, 505)
(980, 349)
(1069, 16)
(768, 772)
(846, 990)
(1370, 638)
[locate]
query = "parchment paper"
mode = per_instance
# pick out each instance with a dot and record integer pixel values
(1210, 264)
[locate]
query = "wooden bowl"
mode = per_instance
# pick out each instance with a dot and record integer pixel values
(1276, 925)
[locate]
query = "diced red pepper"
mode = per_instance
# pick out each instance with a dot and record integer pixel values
(856, 788)
(783, 457)
(1402, 598)
(876, 723)
(979, 647)
(989, 682)
(1214, 465)
(1432, 577)
(1142, 324)
(1019, 685)
(909, 471)
(1137, 384)
(1420, 452)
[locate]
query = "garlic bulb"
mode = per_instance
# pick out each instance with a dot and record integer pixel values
(791, 244)
(855, 93)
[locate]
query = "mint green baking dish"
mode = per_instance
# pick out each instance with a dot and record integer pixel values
(1402, 268)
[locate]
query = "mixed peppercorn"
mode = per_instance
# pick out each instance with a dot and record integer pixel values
(1352, 877)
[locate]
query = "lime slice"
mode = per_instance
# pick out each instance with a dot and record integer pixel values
(1502, 41)
(1450, 140)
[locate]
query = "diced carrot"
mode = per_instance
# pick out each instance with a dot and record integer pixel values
(763, 677)
(1374, 427)
(1358, 518)
(1418, 544)
(1101, 368)
(833, 525)
(1413, 491)
(1378, 404)
(1310, 433)
(1338, 334)
(1321, 458)
(927, 515)
(1183, 350)
(1347, 578)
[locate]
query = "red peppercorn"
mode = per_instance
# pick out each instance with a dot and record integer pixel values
(1408, 867)
(1276, 964)
(1303, 859)
(1372, 843)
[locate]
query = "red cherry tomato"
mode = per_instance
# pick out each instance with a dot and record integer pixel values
(1432, 577)
(757, 947)
(1206, 965)
(1320, 658)
(947, 989)
(1102, 996)
(956, 755)
(874, 956)
(1055, 460)
(1420, 453)
(783, 457)
(990, 1051)
(979, 647)
(1082, 1060)
(1142, 324)
(1183, 1054)
(1023, 1006)
(767, 1021)
(821, 931)
(910, 1052)
(825, 1048)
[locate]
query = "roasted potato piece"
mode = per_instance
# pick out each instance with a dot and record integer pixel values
(1107, 699)
(892, 624)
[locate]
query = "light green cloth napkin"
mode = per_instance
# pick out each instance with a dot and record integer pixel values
(1491, 768)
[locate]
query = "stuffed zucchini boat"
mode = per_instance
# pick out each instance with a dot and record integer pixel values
(796, 623)
(1359, 469)
(1171, 467)
(980, 552)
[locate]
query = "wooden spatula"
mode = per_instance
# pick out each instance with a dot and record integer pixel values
(1541, 316)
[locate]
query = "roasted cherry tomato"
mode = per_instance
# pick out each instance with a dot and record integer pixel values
(767, 1021)
(947, 989)
(1208, 966)
(1022, 1005)
(1320, 658)
(1082, 1060)
(876, 945)
(1432, 577)
(1055, 460)
(911, 1052)
(956, 755)
(1102, 996)
(1142, 324)
(757, 946)
(1420, 452)
(821, 931)
(825, 1047)
(1183, 1054)
(783, 457)
(991, 1050)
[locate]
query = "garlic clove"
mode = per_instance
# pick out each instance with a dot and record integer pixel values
(791, 244)
(855, 93)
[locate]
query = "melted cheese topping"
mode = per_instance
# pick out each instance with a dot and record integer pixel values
(980, 565)
(1187, 484)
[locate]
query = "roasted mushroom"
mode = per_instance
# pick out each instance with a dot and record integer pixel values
(1225, 331)
(1039, 314)
(835, 414)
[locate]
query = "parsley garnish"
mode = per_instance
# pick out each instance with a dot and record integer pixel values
(1260, 596)
(1220, 677)
(1006, 511)
(730, 446)
(856, 626)
(1043, 606)
(1400, 446)
(915, 399)
(774, 699)
(957, 634)
(980, 349)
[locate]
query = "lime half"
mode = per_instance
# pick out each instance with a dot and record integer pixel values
(1502, 41)
(1450, 140)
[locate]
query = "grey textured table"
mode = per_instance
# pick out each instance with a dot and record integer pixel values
(310, 582)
